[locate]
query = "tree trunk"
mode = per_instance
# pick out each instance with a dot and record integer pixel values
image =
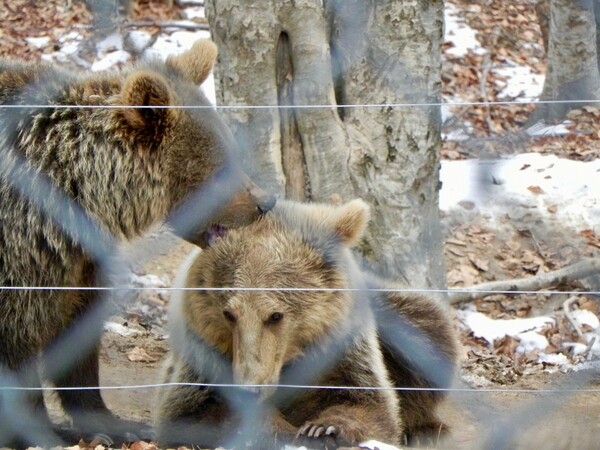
(310, 54)
(572, 68)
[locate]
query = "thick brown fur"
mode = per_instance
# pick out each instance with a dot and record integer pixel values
(323, 338)
(126, 168)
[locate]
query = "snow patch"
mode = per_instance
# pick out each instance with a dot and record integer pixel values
(117, 328)
(531, 340)
(526, 183)
(175, 43)
(373, 444)
(139, 39)
(69, 47)
(462, 37)
(541, 129)
(38, 42)
(195, 12)
(110, 60)
(522, 83)
(490, 329)
(557, 359)
(585, 317)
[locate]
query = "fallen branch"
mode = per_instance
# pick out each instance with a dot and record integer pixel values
(569, 316)
(186, 26)
(573, 272)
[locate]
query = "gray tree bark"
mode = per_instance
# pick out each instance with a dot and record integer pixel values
(303, 54)
(572, 68)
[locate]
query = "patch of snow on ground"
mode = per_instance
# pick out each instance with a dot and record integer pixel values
(585, 317)
(109, 53)
(178, 42)
(527, 332)
(117, 328)
(527, 182)
(175, 43)
(541, 129)
(38, 42)
(531, 340)
(557, 359)
(462, 37)
(372, 444)
(69, 47)
(140, 39)
(490, 329)
(110, 60)
(150, 281)
(196, 12)
(522, 83)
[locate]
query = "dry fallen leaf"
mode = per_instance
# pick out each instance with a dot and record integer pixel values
(479, 263)
(138, 354)
(536, 189)
(507, 345)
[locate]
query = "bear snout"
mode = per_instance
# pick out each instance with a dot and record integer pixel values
(264, 202)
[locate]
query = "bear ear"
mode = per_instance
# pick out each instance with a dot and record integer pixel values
(196, 63)
(350, 221)
(147, 89)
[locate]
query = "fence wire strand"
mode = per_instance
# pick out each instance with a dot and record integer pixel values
(315, 106)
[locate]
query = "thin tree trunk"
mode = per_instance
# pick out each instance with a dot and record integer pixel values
(572, 72)
(342, 52)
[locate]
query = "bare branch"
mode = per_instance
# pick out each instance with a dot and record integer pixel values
(569, 316)
(575, 271)
(184, 25)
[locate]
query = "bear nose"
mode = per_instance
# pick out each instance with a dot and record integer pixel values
(266, 203)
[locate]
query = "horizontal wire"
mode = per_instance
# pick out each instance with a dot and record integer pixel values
(291, 289)
(323, 106)
(302, 386)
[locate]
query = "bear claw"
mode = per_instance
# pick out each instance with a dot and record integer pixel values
(316, 431)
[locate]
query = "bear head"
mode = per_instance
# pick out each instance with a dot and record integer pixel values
(197, 150)
(259, 316)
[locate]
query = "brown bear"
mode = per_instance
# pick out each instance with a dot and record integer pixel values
(88, 161)
(241, 320)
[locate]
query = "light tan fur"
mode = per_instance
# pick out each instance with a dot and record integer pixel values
(224, 336)
(196, 69)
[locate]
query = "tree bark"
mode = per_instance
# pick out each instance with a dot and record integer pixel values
(312, 53)
(572, 68)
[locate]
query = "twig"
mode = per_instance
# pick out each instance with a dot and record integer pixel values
(487, 65)
(569, 316)
(587, 350)
(187, 26)
(575, 271)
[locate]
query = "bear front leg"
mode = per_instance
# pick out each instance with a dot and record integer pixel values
(91, 417)
(346, 426)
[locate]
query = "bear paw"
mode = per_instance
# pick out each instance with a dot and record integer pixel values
(331, 435)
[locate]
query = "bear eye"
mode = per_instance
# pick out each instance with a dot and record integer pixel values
(229, 316)
(275, 317)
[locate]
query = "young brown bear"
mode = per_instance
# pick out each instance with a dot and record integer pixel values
(76, 179)
(263, 332)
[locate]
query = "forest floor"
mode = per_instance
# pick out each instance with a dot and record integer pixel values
(476, 250)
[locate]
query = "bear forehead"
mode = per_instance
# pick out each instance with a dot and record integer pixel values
(276, 251)
(265, 254)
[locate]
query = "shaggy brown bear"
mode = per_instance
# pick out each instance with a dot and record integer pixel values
(92, 160)
(251, 326)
